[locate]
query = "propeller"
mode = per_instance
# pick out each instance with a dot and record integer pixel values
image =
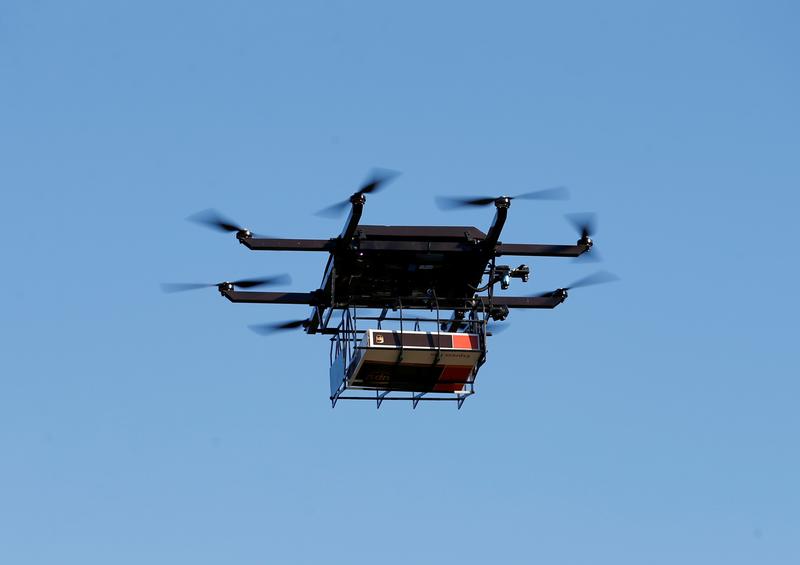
(374, 183)
(243, 283)
(453, 202)
(585, 224)
(600, 277)
(492, 327)
(213, 219)
(495, 328)
(271, 328)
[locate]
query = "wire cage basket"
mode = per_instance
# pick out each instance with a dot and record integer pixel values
(399, 354)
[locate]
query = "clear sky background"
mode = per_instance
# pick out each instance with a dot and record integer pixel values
(649, 421)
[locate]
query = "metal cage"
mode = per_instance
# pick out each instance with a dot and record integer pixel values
(348, 346)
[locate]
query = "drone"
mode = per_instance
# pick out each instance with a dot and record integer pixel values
(408, 309)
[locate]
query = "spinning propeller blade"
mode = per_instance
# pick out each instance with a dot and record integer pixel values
(586, 225)
(181, 287)
(271, 328)
(212, 218)
(377, 180)
(495, 328)
(454, 202)
(555, 193)
(599, 277)
(242, 283)
(492, 327)
(264, 281)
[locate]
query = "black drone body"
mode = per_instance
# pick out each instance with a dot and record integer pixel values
(401, 273)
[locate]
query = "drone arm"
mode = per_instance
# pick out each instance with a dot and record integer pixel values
(307, 298)
(540, 250)
(545, 302)
(268, 244)
(500, 216)
(357, 208)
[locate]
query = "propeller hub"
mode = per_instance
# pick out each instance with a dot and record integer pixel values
(225, 286)
(244, 234)
(499, 313)
(585, 241)
(358, 198)
(503, 202)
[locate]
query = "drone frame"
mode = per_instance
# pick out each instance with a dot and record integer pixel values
(467, 249)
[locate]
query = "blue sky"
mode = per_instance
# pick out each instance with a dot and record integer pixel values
(649, 421)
